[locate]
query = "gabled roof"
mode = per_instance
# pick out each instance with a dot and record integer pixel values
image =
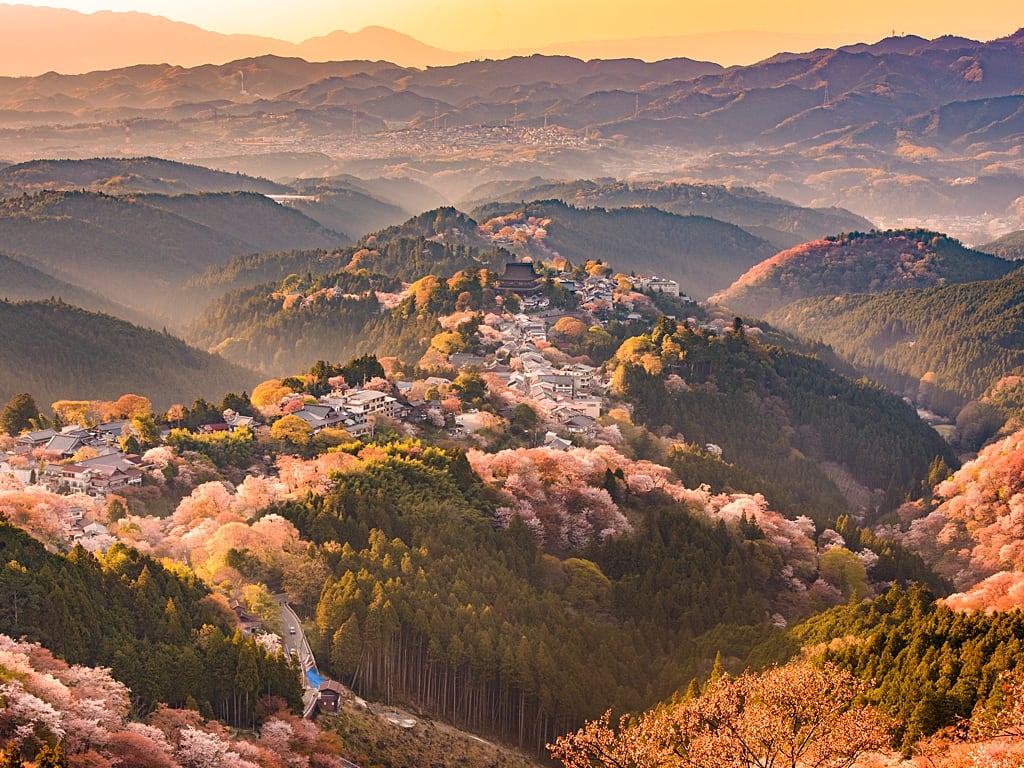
(581, 420)
(556, 443)
(64, 444)
(35, 438)
(318, 411)
(112, 427)
(112, 460)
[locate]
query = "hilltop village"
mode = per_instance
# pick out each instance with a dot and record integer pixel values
(518, 360)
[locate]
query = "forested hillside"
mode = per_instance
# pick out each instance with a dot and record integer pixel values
(894, 681)
(161, 633)
(253, 269)
(701, 253)
(136, 250)
(291, 324)
(780, 416)
(856, 262)
(56, 351)
(1009, 246)
(498, 634)
(778, 221)
(970, 528)
(446, 225)
(20, 282)
(942, 346)
(123, 175)
(928, 665)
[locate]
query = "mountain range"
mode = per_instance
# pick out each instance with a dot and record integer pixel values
(119, 39)
(50, 40)
(900, 129)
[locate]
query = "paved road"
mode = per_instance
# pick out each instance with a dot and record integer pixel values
(295, 643)
(291, 629)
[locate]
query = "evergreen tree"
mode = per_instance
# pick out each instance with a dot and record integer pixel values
(19, 414)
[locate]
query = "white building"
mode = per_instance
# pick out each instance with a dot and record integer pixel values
(660, 285)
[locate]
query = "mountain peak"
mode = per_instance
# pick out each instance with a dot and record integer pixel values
(41, 39)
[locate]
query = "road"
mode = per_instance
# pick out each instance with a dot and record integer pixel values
(295, 643)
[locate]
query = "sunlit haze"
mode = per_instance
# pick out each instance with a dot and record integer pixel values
(468, 25)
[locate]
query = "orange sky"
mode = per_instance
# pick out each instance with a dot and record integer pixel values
(472, 25)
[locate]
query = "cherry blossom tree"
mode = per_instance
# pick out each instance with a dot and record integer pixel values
(797, 716)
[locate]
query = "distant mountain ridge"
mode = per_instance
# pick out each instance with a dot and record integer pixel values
(41, 40)
(22, 282)
(701, 253)
(1009, 246)
(771, 218)
(119, 175)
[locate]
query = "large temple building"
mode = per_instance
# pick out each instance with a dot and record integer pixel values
(520, 278)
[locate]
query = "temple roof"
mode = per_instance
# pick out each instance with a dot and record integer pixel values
(519, 277)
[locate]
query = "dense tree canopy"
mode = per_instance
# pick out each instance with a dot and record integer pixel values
(161, 633)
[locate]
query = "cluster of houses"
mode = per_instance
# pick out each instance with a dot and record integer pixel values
(353, 410)
(597, 293)
(569, 395)
(90, 460)
(75, 459)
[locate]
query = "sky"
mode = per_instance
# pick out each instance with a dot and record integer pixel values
(467, 25)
